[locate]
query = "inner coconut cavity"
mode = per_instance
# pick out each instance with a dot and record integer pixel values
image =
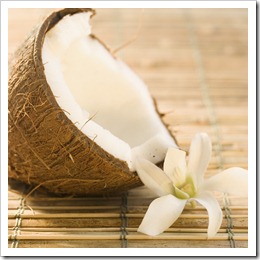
(103, 97)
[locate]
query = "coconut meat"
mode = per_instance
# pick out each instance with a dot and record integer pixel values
(101, 95)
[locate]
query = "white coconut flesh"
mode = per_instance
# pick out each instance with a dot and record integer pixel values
(101, 95)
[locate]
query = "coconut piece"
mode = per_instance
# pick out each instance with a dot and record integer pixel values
(78, 116)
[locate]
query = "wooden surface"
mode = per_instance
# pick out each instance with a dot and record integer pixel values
(194, 62)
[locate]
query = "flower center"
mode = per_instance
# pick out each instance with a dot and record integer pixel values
(189, 187)
(186, 190)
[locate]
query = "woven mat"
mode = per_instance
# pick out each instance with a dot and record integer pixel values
(194, 62)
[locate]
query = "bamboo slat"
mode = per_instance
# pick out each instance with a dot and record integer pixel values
(194, 62)
(52, 220)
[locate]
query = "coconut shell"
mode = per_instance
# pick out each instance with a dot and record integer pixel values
(45, 148)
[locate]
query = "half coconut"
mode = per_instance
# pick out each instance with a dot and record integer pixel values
(78, 116)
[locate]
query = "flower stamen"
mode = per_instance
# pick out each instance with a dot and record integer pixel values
(188, 187)
(181, 194)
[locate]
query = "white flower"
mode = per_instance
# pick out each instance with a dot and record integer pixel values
(180, 183)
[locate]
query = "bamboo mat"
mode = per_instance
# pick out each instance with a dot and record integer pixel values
(194, 62)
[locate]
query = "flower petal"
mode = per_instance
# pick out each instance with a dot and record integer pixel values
(199, 157)
(233, 181)
(161, 214)
(214, 211)
(153, 177)
(175, 165)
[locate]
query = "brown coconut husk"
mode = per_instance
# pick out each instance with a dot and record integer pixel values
(45, 148)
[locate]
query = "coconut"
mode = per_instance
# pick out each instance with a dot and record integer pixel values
(78, 116)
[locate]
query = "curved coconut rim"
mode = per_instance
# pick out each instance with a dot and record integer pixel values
(47, 24)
